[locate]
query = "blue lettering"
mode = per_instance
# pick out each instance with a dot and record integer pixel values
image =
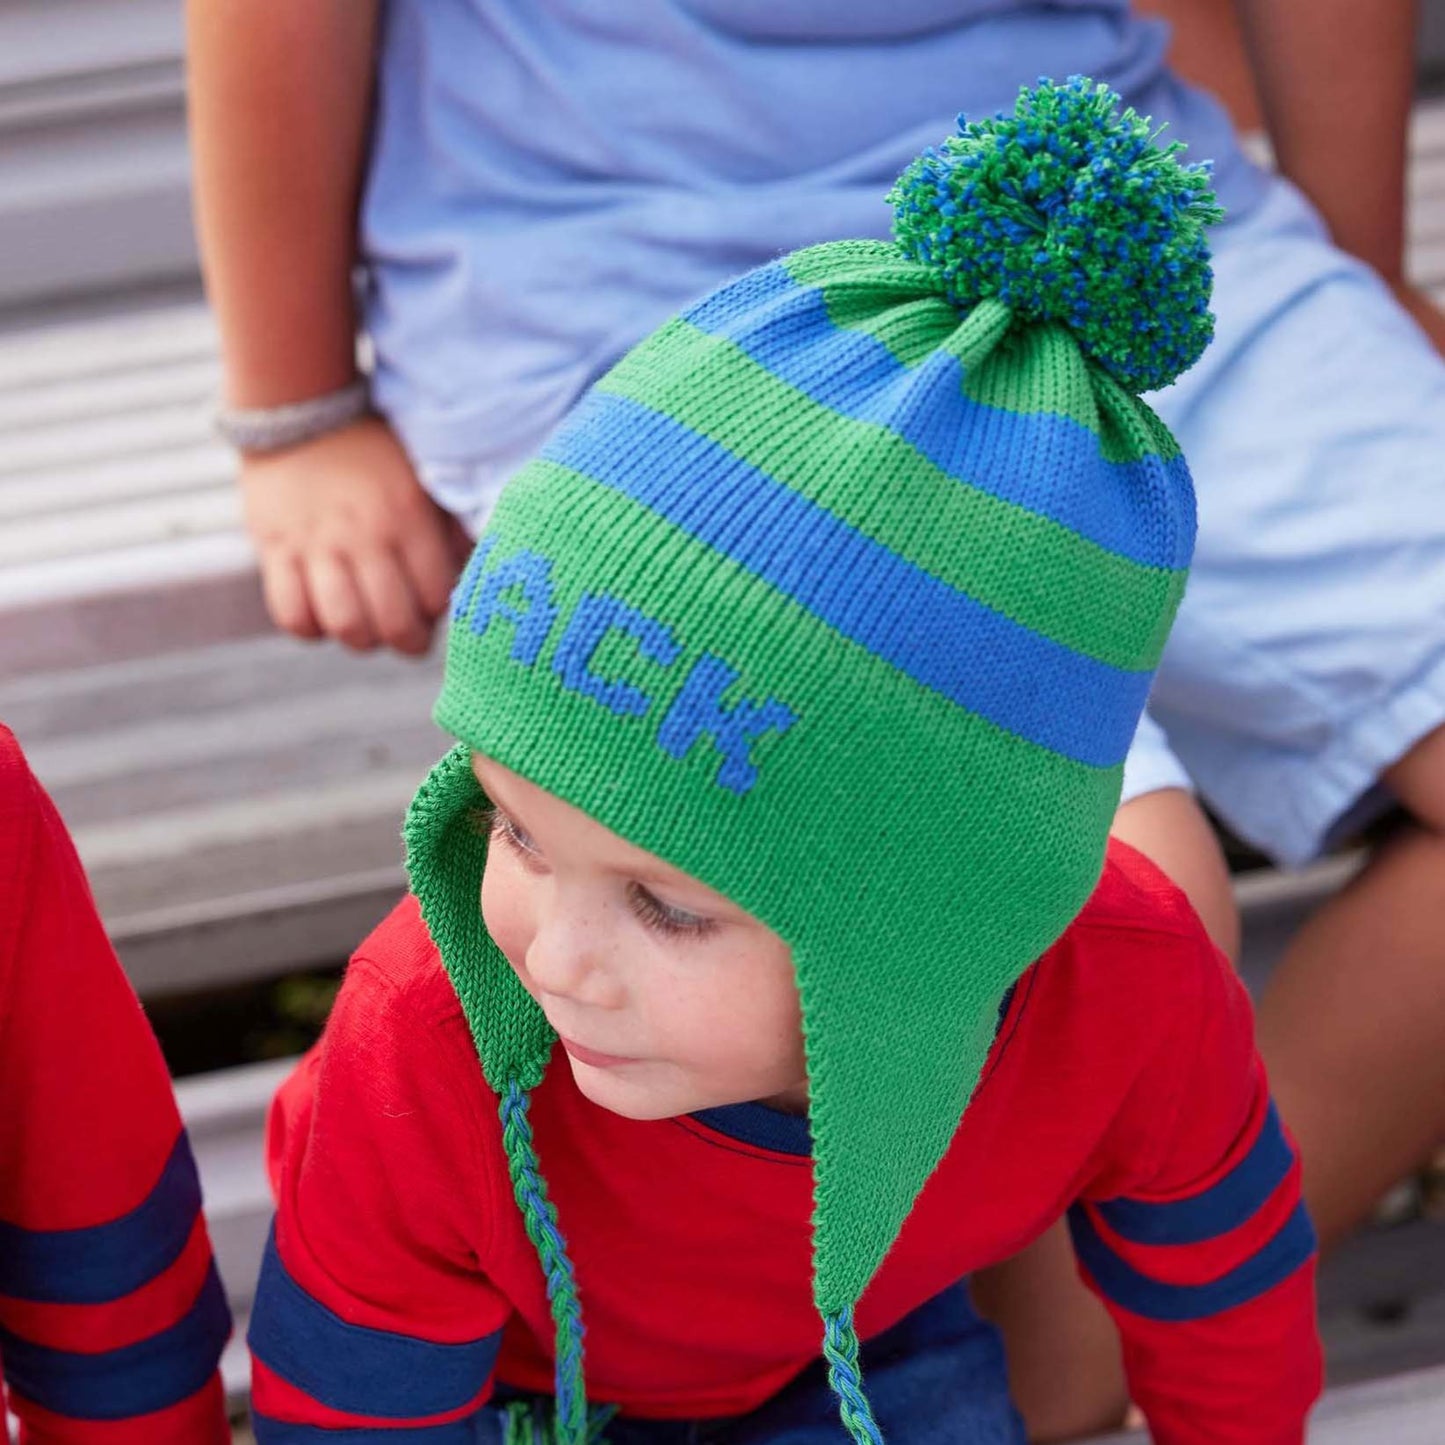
(532, 573)
(697, 711)
(595, 617)
(466, 588)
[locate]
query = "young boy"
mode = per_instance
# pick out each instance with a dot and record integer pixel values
(792, 686)
(112, 1317)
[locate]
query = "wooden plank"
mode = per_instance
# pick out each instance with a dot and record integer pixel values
(117, 342)
(201, 466)
(120, 525)
(81, 399)
(265, 933)
(80, 610)
(177, 423)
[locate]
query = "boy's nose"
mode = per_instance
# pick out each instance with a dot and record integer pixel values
(564, 960)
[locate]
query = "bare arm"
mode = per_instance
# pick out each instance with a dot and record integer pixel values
(1332, 80)
(280, 96)
(1335, 79)
(349, 544)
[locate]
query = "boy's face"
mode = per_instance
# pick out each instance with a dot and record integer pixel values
(667, 997)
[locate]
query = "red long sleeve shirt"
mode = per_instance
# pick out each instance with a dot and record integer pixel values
(1123, 1089)
(112, 1317)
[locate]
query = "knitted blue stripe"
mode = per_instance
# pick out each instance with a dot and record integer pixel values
(1153, 1299)
(992, 666)
(1234, 1200)
(106, 1261)
(1048, 464)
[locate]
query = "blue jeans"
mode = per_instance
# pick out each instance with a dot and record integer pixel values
(936, 1378)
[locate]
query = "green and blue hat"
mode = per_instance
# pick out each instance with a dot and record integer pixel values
(842, 592)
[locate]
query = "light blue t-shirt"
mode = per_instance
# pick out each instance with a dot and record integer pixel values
(551, 179)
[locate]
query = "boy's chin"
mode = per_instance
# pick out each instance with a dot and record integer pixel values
(634, 1098)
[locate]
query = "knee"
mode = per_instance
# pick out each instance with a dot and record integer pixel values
(1418, 781)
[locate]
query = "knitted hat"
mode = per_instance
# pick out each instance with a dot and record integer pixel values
(842, 593)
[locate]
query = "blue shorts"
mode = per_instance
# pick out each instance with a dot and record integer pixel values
(936, 1378)
(1309, 654)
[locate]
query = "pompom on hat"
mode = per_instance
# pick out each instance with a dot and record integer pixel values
(842, 592)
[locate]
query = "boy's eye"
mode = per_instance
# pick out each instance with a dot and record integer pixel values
(664, 918)
(510, 834)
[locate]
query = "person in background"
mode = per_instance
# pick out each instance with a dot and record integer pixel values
(522, 191)
(112, 1316)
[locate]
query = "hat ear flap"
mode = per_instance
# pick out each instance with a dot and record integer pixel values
(446, 835)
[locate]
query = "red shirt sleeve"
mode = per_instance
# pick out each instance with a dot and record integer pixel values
(112, 1316)
(373, 1307)
(1196, 1237)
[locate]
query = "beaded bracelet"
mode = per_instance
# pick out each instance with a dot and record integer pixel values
(273, 428)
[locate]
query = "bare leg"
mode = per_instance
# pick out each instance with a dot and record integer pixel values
(1352, 1025)
(1064, 1363)
(1063, 1350)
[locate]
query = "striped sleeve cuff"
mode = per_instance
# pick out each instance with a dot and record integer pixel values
(1193, 1257)
(106, 1261)
(316, 1374)
(117, 1320)
(141, 1378)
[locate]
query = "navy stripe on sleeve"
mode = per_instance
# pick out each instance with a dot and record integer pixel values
(357, 1370)
(1233, 1201)
(105, 1261)
(1289, 1248)
(282, 1432)
(136, 1379)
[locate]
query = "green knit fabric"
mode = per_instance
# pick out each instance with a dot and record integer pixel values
(840, 593)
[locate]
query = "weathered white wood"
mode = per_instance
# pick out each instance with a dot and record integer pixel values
(118, 525)
(81, 399)
(72, 612)
(200, 466)
(117, 341)
(144, 432)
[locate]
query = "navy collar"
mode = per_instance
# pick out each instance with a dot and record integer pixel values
(760, 1126)
(772, 1129)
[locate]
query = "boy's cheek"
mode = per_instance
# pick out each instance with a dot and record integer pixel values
(504, 911)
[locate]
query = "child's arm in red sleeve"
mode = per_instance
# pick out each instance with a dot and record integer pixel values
(372, 1307)
(1206, 1256)
(112, 1317)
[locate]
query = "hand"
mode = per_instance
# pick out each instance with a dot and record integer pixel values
(350, 545)
(1426, 311)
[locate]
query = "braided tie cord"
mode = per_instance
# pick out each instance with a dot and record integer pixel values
(526, 1422)
(845, 1377)
(571, 1426)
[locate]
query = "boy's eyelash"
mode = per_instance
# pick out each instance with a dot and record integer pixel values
(670, 921)
(655, 914)
(501, 826)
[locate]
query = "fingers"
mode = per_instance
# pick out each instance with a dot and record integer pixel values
(284, 587)
(337, 602)
(429, 557)
(363, 602)
(395, 614)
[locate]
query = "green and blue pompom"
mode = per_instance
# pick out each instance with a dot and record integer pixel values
(1067, 210)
